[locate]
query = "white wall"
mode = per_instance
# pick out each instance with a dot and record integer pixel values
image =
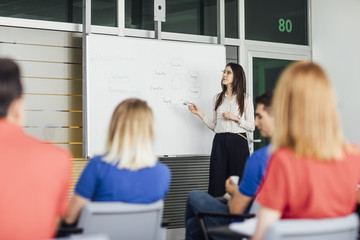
(336, 47)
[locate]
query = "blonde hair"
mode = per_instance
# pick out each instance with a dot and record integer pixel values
(305, 114)
(130, 136)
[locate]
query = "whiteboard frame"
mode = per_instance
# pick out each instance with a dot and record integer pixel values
(86, 32)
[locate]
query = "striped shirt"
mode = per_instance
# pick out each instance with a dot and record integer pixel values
(221, 125)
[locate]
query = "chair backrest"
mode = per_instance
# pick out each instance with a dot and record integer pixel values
(311, 229)
(122, 220)
(255, 207)
(88, 237)
(84, 237)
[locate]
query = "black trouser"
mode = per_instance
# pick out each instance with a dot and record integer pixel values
(228, 156)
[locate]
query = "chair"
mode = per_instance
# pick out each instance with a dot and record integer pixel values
(86, 237)
(121, 220)
(223, 231)
(296, 229)
(310, 229)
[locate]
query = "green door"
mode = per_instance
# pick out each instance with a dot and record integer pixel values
(266, 72)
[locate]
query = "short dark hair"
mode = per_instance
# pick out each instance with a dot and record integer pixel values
(10, 85)
(265, 99)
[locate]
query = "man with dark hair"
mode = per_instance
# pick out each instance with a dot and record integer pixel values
(242, 195)
(34, 175)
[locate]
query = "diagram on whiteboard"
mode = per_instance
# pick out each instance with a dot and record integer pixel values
(174, 83)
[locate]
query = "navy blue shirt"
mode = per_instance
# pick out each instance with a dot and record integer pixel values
(102, 181)
(254, 172)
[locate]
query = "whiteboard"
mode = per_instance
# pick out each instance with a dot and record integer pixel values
(165, 74)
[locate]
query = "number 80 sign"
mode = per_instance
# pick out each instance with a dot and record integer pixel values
(285, 25)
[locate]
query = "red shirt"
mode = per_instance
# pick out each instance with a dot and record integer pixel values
(306, 188)
(34, 185)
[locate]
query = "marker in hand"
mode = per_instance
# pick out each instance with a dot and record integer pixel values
(187, 103)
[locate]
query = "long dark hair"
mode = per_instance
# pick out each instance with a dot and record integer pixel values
(238, 87)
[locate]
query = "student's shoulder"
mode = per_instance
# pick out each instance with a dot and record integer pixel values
(262, 153)
(283, 157)
(161, 167)
(98, 160)
(51, 157)
(262, 150)
(49, 149)
(283, 153)
(352, 149)
(352, 152)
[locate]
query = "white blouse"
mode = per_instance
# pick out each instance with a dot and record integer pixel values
(221, 125)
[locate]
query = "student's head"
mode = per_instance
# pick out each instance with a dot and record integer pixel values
(130, 136)
(306, 118)
(264, 120)
(11, 103)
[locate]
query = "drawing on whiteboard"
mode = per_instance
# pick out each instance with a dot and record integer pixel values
(119, 77)
(118, 84)
(101, 59)
(177, 64)
(176, 101)
(192, 77)
(173, 83)
(159, 80)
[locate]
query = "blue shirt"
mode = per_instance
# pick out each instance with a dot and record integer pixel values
(101, 181)
(254, 172)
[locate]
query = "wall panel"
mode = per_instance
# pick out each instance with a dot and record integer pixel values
(52, 86)
(46, 53)
(50, 119)
(60, 102)
(51, 65)
(57, 135)
(27, 36)
(55, 70)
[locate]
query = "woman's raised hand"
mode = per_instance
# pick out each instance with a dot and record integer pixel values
(195, 110)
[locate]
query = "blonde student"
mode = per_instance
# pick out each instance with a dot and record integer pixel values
(129, 171)
(313, 172)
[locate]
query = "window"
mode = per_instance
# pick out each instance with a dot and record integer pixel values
(198, 17)
(139, 14)
(49, 10)
(103, 11)
(283, 21)
(231, 19)
(191, 16)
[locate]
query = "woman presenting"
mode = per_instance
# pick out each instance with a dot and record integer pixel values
(233, 116)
